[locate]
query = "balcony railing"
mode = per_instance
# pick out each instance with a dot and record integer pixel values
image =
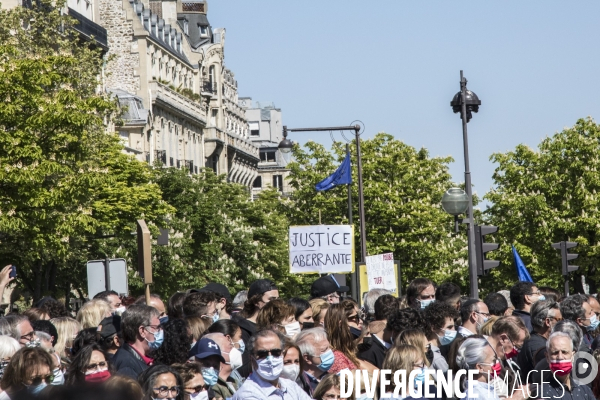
(90, 29)
(209, 87)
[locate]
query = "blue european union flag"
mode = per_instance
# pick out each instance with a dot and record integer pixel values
(341, 176)
(521, 268)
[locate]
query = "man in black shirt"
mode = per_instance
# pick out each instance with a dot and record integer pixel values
(544, 315)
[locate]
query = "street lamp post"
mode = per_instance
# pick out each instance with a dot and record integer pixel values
(286, 146)
(467, 102)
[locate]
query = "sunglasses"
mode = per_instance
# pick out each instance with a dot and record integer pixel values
(261, 354)
(355, 319)
(101, 364)
(37, 380)
(197, 389)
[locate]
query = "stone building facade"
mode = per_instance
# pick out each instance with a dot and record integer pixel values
(166, 62)
(266, 131)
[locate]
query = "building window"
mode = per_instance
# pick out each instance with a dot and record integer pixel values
(278, 182)
(257, 183)
(203, 31)
(267, 156)
(214, 163)
(254, 128)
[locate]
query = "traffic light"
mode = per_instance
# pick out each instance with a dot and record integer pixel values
(481, 248)
(566, 257)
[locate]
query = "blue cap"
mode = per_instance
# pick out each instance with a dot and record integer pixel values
(205, 348)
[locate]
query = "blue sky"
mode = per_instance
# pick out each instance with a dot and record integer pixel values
(395, 66)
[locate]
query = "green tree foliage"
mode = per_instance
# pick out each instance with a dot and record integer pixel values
(544, 196)
(219, 234)
(63, 179)
(403, 188)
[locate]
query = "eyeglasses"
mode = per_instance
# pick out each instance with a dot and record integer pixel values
(197, 389)
(91, 367)
(554, 318)
(487, 315)
(164, 390)
(155, 327)
(37, 380)
(261, 354)
(421, 365)
(29, 336)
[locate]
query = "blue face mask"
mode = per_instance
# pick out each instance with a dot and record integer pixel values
(448, 337)
(420, 377)
(542, 297)
(215, 317)
(327, 360)
(36, 389)
(159, 337)
(425, 303)
(594, 322)
(210, 376)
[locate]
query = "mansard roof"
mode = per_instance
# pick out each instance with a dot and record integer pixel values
(161, 32)
(194, 23)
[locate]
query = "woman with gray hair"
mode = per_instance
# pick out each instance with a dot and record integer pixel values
(478, 354)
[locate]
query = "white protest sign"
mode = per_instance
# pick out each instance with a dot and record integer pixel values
(322, 249)
(380, 271)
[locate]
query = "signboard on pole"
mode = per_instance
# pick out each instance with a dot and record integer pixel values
(380, 271)
(321, 249)
(364, 280)
(96, 276)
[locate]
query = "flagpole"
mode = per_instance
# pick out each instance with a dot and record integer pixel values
(355, 277)
(286, 146)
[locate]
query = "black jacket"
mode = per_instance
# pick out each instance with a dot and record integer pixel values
(525, 317)
(374, 354)
(532, 352)
(128, 362)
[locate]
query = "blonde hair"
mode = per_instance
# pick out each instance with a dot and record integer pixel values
(402, 357)
(318, 305)
(93, 312)
(416, 338)
(67, 328)
(486, 329)
(198, 326)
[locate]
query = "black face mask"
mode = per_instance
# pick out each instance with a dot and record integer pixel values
(308, 325)
(355, 332)
(429, 355)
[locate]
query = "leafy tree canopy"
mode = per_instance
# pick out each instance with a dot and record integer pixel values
(547, 195)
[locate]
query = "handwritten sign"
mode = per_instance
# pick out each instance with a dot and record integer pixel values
(322, 249)
(380, 271)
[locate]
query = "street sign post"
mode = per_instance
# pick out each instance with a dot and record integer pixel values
(103, 276)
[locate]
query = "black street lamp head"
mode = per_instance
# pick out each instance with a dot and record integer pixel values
(286, 145)
(472, 102)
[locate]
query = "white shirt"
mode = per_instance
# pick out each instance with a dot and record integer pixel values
(481, 391)
(464, 331)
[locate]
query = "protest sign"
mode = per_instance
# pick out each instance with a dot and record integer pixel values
(322, 249)
(380, 272)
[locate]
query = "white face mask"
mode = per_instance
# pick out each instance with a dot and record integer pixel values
(235, 358)
(59, 377)
(290, 371)
(200, 396)
(269, 368)
(291, 330)
(120, 310)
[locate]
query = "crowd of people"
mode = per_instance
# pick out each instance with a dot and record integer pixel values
(206, 344)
